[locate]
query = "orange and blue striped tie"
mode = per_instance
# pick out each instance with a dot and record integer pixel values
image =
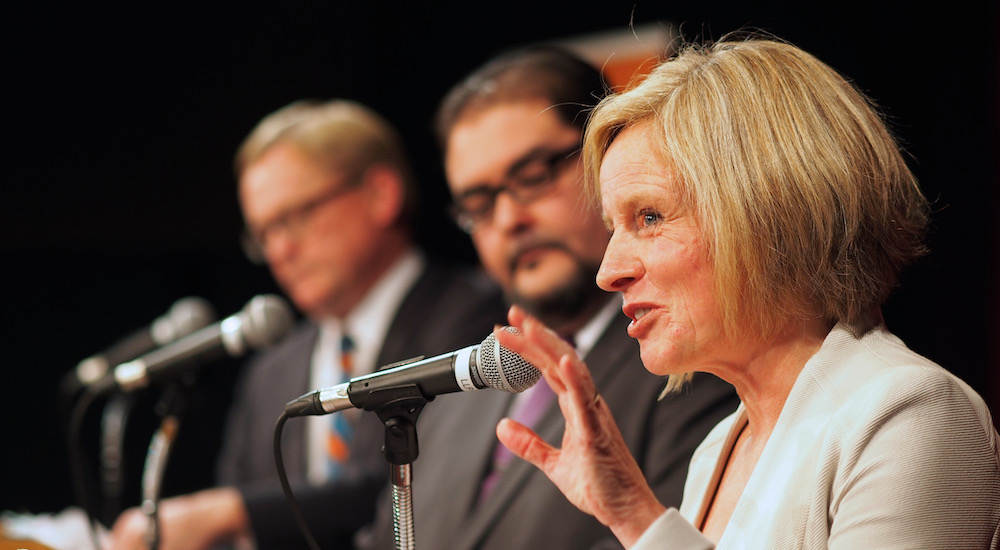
(341, 427)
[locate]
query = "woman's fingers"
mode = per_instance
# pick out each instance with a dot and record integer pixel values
(525, 443)
(566, 373)
(593, 466)
(537, 344)
(581, 406)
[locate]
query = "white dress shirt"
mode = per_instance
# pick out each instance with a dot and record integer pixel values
(367, 325)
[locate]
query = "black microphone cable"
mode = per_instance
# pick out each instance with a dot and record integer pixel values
(283, 478)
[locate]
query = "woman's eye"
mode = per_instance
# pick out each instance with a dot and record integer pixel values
(648, 218)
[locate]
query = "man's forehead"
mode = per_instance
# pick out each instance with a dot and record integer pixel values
(281, 177)
(484, 147)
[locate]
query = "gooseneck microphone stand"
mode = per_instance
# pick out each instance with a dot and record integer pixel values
(170, 407)
(114, 420)
(398, 409)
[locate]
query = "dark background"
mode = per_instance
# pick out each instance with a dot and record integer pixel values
(122, 123)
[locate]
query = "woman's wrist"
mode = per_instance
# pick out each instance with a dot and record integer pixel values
(640, 516)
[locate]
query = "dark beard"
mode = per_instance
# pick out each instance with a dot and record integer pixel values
(564, 305)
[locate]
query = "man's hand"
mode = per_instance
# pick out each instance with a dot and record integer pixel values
(191, 522)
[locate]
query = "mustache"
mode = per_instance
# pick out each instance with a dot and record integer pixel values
(527, 244)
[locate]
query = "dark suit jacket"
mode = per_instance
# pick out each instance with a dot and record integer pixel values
(447, 309)
(458, 433)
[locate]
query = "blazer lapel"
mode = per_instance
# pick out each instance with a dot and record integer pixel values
(293, 383)
(512, 483)
(465, 430)
(409, 318)
(612, 350)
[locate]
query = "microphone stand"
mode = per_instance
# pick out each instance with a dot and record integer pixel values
(113, 422)
(398, 408)
(170, 407)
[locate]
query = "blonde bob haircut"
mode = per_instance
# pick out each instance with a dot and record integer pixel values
(803, 197)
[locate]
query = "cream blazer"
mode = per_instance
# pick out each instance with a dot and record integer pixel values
(876, 447)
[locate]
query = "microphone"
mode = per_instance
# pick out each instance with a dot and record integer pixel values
(262, 322)
(488, 365)
(183, 318)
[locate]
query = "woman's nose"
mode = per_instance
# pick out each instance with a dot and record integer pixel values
(620, 267)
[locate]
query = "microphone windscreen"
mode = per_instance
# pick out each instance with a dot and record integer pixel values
(502, 369)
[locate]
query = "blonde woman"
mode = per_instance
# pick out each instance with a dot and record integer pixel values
(760, 214)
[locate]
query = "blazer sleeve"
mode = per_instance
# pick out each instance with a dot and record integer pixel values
(672, 532)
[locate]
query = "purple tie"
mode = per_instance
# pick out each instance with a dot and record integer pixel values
(527, 410)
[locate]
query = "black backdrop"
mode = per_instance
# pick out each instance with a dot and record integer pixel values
(122, 122)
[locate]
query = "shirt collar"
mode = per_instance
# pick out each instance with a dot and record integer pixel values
(369, 321)
(587, 336)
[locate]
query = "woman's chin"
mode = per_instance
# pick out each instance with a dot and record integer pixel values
(654, 360)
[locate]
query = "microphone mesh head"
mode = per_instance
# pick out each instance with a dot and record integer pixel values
(502, 369)
(265, 320)
(190, 314)
(186, 316)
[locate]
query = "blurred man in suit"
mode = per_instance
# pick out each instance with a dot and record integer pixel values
(328, 198)
(511, 134)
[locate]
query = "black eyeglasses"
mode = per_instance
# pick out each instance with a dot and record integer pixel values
(527, 179)
(291, 222)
